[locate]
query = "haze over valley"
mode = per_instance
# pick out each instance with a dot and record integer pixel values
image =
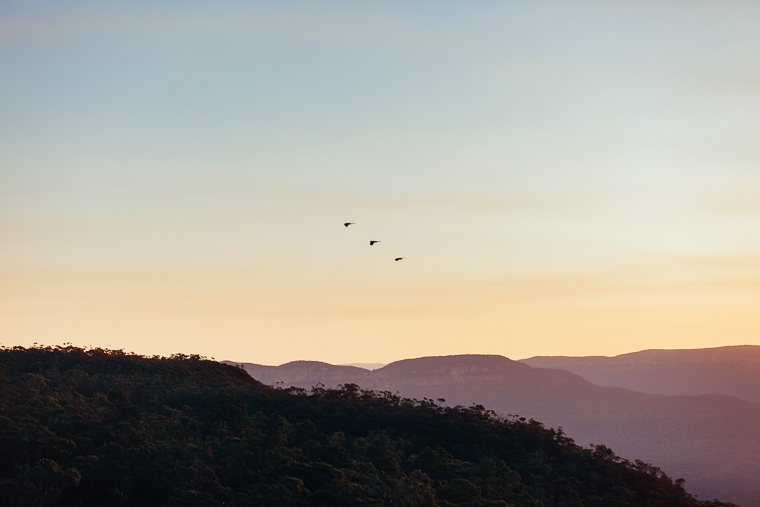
(712, 440)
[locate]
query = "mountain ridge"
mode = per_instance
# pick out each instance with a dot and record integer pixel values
(731, 370)
(92, 427)
(711, 440)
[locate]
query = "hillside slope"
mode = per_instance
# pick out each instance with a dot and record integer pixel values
(712, 441)
(95, 427)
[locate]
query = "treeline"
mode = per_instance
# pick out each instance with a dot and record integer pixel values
(94, 427)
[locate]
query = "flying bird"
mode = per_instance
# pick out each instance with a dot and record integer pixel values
(399, 258)
(349, 223)
(373, 242)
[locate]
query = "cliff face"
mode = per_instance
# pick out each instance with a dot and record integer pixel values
(468, 378)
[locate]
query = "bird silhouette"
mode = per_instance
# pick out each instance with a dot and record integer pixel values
(399, 258)
(349, 223)
(373, 242)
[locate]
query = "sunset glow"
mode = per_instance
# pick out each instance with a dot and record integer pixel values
(561, 179)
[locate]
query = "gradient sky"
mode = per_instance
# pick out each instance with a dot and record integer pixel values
(563, 178)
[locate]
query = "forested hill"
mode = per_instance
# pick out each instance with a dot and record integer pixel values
(101, 427)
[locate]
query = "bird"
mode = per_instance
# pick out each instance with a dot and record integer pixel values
(349, 223)
(399, 258)
(373, 242)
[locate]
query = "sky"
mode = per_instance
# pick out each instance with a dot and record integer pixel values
(561, 178)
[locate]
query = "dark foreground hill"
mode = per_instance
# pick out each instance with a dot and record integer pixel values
(98, 427)
(734, 371)
(712, 441)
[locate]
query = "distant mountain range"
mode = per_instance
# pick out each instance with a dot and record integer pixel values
(734, 371)
(94, 427)
(711, 440)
